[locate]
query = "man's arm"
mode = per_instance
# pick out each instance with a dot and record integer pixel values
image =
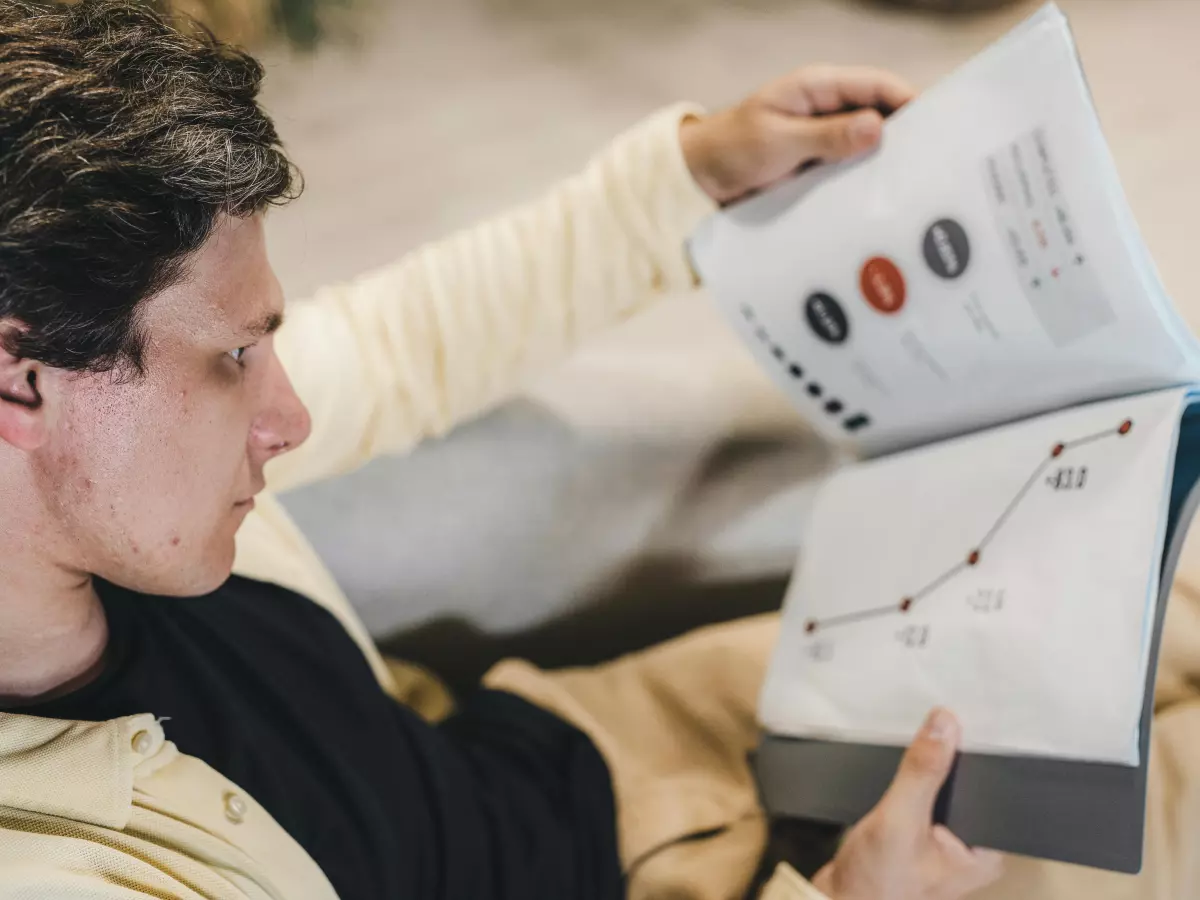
(413, 349)
(417, 347)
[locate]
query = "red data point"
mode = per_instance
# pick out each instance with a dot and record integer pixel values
(1058, 449)
(1126, 427)
(973, 558)
(906, 604)
(810, 626)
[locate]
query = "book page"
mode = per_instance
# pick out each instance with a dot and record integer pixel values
(1010, 575)
(982, 266)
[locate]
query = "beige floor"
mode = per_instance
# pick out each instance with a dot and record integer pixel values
(446, 110)
(449, 109)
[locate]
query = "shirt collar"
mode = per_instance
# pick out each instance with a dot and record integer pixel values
(81, 771)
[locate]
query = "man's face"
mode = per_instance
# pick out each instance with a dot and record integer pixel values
(145, 481)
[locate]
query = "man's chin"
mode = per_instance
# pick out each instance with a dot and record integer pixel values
(203, 586)
(186, 578)
(211, 577)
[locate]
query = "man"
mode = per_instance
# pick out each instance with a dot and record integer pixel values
(170, 731)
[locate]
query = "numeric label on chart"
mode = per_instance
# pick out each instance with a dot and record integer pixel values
(986, 600)
(819, 651)
(914, 636)
(1068, 478)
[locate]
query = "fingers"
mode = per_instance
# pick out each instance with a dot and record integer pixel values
(823, 880)
(816, 90)
(957, 853)
(834, 138)
(989, 866)
(910, 799)
(969, 869)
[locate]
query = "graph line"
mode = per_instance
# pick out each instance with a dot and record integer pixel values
(975, 555)
(1008, 511)
(937, 583)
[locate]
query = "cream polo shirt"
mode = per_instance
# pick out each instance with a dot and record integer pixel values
(112, 809)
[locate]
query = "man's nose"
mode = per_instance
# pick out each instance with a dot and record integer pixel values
(283, 424)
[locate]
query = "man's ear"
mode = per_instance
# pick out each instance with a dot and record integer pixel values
(22, 412)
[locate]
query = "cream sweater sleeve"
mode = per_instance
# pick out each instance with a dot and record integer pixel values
(411, 350)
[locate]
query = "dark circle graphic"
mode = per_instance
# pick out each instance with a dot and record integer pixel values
(814, 389)
(826, 318)
(882, 284)
(833, 407)
(854, 423)
(796, 371)
(947, 249)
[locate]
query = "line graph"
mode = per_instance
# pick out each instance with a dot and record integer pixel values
(1065, 479)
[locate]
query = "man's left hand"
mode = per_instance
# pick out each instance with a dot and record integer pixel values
(815, 114)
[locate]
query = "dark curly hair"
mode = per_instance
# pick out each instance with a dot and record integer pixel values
(124, 137)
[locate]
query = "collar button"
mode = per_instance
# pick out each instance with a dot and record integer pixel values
(142, 743)
(235, 808)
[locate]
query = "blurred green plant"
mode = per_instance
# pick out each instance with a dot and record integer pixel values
(303, 22)
(300, 23)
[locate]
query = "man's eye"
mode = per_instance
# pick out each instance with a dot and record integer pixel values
(238, 354)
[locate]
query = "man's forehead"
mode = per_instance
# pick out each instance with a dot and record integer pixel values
(228, 292)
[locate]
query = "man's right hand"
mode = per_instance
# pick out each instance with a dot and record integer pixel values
(896, 852)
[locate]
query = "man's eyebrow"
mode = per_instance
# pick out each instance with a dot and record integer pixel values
(267, 324)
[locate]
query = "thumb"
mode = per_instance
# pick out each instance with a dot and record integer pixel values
(836, 137)
(927, 762)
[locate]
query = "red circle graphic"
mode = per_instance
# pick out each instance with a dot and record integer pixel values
(882, 285)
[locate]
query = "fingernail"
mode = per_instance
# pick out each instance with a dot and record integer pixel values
(864, 128)
(939, 726)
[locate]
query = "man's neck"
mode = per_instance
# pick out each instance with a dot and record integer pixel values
(53, 632)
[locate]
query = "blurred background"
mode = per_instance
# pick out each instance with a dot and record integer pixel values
(657, 481)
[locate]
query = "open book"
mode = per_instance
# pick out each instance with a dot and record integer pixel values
(971, 312)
